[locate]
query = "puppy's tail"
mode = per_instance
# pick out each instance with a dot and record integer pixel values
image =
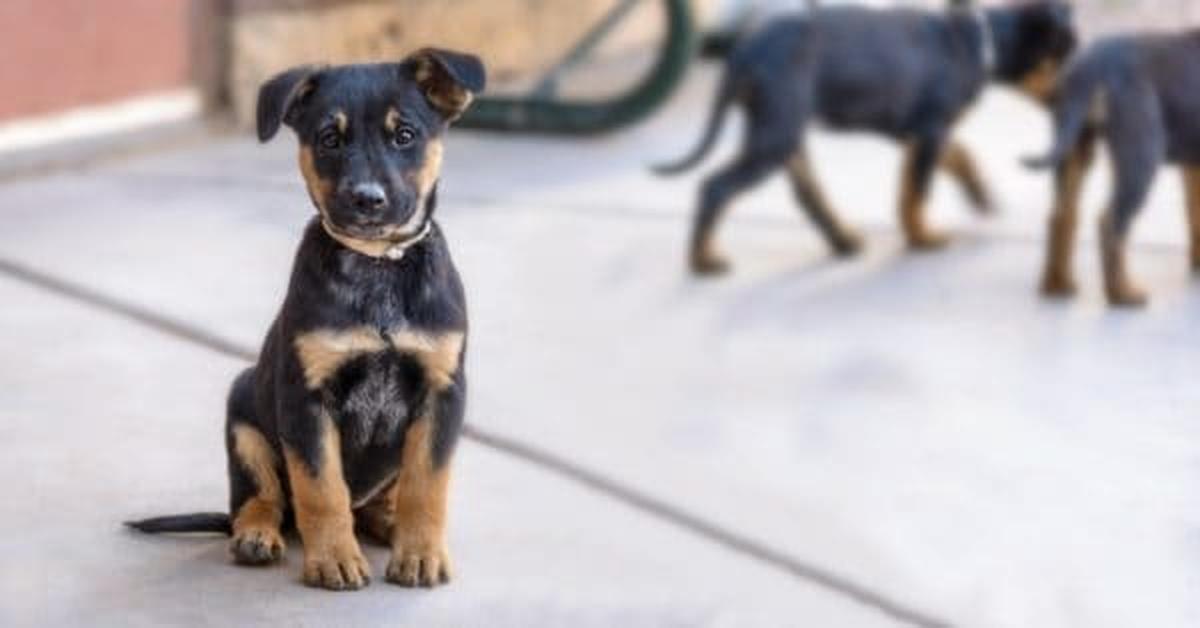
(1078, 106)
(716, 117)
(212, 522)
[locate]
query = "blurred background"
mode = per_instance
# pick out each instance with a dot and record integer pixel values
(894, 440)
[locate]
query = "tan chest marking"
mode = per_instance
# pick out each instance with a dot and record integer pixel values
(322, 352)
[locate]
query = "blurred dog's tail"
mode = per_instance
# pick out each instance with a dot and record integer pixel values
(213, 522)
(1079, 105)
(716, 117)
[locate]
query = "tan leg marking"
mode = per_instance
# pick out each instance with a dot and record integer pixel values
(256, 536)
(1057, 278)
(845, 241)
(912, 209)
(321, 501)
(1191, 176)
(958, 162)
(420, 556)
(438, 354)
(1118, 285)
(323, 351)
(705, 259)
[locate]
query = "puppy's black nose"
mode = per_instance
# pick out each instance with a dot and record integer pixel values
(369, 196)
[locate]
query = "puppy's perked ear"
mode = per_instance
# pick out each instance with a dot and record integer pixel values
(448, 79)
(280, 97)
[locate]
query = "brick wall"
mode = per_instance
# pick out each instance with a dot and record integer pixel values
(59, 54)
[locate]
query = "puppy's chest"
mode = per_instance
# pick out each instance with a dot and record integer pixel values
(372, 380)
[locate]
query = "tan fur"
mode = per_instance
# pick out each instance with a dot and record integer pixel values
(1057, 278)
(813, 198)
(419, 553)
(431, 168)
(957, 161)
(374, 518)
(444, 94)
(912, 208)
(322, 352)
(342, 122)
(1191, 181)
(391, 120)
(1118, 284)
(321, 500)
(319, 189)
(438, 354)
(1040, 83)
(257, 521)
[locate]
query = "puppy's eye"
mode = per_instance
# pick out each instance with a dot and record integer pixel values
(330, 139)
(404, 137)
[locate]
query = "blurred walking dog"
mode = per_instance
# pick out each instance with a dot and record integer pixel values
(352, 412)
(1140, 94)
(906, 74)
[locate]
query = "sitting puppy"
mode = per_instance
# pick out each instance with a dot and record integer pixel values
(352, 412)
(1142, 95)
(906, 74)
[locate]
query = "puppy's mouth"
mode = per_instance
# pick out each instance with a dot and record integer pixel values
(384, 233)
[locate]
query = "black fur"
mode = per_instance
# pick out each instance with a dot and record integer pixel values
(214, 522)
(1139, 94)
(902, 73)
(372, 398)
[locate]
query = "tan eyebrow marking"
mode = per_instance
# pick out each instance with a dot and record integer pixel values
(391, 120)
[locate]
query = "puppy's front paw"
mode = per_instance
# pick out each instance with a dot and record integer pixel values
(419, 565)
(848, 244)
(339, 566)
(1058, 286)
(1128, 296)
(709, 265)
(928, 241)
(257, 546)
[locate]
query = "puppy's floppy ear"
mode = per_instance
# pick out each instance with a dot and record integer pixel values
(448, 79)
(280, 97)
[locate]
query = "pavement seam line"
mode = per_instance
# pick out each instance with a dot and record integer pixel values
(515, 448)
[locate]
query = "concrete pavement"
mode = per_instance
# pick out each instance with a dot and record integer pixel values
(921, 426)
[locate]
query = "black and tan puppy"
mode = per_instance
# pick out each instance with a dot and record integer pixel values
(1141, 95)
(351, 414)
(902, 73)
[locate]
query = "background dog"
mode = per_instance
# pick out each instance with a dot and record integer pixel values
(354, 407)
(1141, 94)
(902, 73)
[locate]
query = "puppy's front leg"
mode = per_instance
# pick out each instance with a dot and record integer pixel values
(420, 556)
(321, 501)
(958, 162)
(1192, 186)
(921, 160)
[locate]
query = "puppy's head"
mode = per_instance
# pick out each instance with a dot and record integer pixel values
(1033, 40)
(371, 136)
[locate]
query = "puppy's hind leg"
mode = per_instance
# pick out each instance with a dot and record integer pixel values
(845, 241)
(1137, 144)
(958, 162)
(1191, 176)
(715, 195)
(920, 161)
(773, 121)
(1058, 280)
(255, 492)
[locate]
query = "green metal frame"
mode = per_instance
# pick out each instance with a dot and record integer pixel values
(540, 114)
